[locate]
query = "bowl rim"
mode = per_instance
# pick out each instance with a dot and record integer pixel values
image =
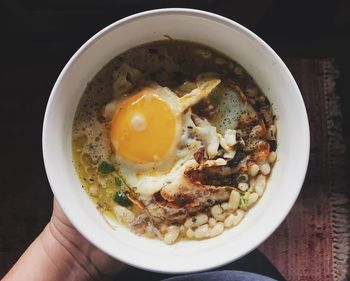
(213, 17)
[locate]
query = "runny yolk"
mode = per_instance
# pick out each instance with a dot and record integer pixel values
(144, 128)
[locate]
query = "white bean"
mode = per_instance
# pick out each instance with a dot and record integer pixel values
(224, 206)
(238, 216)
(200, 220)
(243, 186)
(163, 228)
(124, 214)
(203, 53)
(182, 230)
(172, 234)
(202, 231)
(260, 184)
(228, 222)
(216, 212)
(233, 201)
(272, 157)
(190, 233)
(212, 222)
(265, 169)
(196, 221)
(253, 170)
(188, 223)
(217, 229)
(251, 185)
(253, 197)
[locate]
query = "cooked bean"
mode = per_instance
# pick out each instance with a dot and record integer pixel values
(233, 201)
(224, 206)
(163, 228)
(182, 230)
(217, 229)
(253, 197)
(265, 169)
(202, 231)
(228, 222)
(212, 222)
(216, 212)
(200, 220)
(172, 234)
(196, 221)
(124, 214)
(238, 216)
(253, 170)
(190, 233)
(243, 186)
(260, 184)
(206, 54)
(272, 157)
(188, 223)
(251, 185)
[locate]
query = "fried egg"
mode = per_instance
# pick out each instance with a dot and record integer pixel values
(150, 133)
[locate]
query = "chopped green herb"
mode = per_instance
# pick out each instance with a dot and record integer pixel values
(118, 181)
(210, 202)
(242, 178)
(105, 168)
(121, 198)
(244, 199)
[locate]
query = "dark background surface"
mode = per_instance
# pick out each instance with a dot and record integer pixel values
(38, 37)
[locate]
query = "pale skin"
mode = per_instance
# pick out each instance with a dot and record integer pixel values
(60, 252)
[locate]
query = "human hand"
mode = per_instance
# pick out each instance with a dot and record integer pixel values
(95, 262)
(60, 252)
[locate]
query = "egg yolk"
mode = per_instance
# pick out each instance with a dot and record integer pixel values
(144, 128)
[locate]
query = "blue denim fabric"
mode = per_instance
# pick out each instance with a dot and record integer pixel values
(225, 275)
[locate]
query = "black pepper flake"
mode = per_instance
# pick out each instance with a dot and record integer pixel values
(266, 102)
(128, 77)
(273, 145)
(194, 219)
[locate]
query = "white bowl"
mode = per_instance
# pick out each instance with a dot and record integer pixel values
(271, 75)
